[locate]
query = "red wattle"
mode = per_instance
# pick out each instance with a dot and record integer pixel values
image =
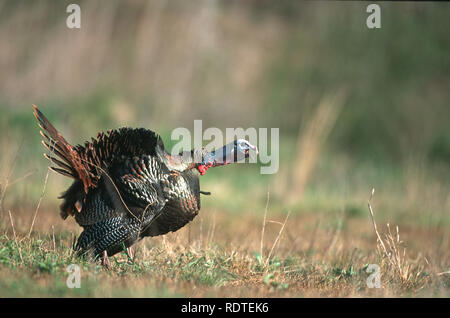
(202, 169)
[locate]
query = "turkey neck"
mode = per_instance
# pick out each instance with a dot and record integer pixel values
(185, 161)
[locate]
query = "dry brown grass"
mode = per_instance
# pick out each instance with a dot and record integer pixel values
(393, 255)
(221, 259)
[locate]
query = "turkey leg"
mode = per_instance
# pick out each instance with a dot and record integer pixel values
(130, 253)
(105, 260)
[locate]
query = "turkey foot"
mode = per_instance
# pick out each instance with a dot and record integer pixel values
(130, 253)
(105, 260)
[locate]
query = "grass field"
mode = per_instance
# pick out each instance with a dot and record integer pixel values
(224, 259)
(356, 108)
(321, 246)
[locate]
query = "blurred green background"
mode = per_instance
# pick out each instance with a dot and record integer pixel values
(163, 64)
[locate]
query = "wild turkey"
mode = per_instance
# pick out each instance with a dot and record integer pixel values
(127, 186)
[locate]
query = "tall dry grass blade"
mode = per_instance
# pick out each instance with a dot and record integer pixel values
(443, 273)
(391, 248)
(23, 177)
(264, 227)
(212, 229)
(276, 241)
(15, 237)
(53, 239)
(39, 203)
(375, 224)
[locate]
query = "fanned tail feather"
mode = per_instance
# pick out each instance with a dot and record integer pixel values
(69, 161)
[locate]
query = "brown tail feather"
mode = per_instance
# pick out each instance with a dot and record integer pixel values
(73, 164)
(62, 171)
(54, 148)
(56, 152)
(65, 167)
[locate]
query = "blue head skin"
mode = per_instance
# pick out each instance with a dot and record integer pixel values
(235, 151)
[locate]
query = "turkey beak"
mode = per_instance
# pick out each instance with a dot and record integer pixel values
(233, 154)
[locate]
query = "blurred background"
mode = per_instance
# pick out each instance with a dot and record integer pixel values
(357, 108)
